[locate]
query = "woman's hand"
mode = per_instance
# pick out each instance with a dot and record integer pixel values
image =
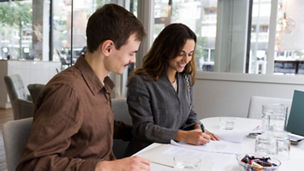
(212, 136)
(194, 137)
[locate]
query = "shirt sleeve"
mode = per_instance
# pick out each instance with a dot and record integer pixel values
(57, 118)
(144, 128)
(191, 121)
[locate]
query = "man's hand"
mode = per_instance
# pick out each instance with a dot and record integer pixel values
(134, 163)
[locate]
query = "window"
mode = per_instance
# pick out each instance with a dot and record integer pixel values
(259, 36)
(66, 48)
(200, 16)
(289, 52)
(16, 30)
(288, 57)
(31, 39)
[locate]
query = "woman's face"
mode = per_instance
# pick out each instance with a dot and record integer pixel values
(179, 63)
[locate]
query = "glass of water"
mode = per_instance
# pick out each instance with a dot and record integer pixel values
(226, 123)
(266, 145)
(186, 162)
(283, 144)
(274, 117)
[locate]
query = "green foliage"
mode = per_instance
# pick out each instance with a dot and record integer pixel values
(299, 53)
(101, 3)
(15, 14)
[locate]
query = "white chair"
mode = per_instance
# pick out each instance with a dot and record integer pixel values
(256, 102)
(15, 135)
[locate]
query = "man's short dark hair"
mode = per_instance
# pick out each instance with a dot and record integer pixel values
(112, 22)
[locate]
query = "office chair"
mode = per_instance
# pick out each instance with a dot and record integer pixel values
(35, 90)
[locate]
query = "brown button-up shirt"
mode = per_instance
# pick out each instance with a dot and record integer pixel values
(73, 124)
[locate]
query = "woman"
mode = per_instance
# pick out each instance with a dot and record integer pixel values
(160, 93)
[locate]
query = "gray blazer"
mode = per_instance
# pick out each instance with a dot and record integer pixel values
(157, 110)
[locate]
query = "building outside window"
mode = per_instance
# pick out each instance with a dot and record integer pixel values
(200, 16)
(25, 27)
(287, 60)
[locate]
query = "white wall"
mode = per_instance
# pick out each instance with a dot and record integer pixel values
(228, 94)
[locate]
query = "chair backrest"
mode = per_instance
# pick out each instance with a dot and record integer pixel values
(121, 113)
(15, 135)
(22, 104)
(256, 103)
(120, 109)
(35, 90)
(15, 87)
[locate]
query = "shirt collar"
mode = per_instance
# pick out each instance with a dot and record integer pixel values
(165, 77)
(91, 78)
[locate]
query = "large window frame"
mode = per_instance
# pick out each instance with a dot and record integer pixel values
(233, 15)
(229, 57)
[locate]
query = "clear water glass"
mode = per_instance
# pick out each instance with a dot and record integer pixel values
(186, 162)
(274, 117)
(226, 123)
(283, 144)
(266, 145)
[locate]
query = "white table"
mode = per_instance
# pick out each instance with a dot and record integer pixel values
(227, 162)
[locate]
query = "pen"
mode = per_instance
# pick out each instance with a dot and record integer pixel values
(202, 127)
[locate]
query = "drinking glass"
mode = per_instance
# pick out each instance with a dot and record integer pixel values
(283, 144)
(186, 162)
(266, 145)
(273, 117)
(226, 123)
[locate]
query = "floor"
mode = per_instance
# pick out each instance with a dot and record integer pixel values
(5, 115)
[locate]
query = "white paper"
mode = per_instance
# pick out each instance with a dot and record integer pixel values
(231, 135)
(163, 156)
(214, 146)
(159, 155)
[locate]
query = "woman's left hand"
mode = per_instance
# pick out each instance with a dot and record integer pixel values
(212, 136)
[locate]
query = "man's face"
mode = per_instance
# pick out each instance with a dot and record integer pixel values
(120, 59)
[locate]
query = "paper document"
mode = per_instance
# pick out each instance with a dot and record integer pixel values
(214, 146)
(231, 135)
(163, 155)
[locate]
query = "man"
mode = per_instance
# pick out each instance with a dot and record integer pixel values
(73, 124)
